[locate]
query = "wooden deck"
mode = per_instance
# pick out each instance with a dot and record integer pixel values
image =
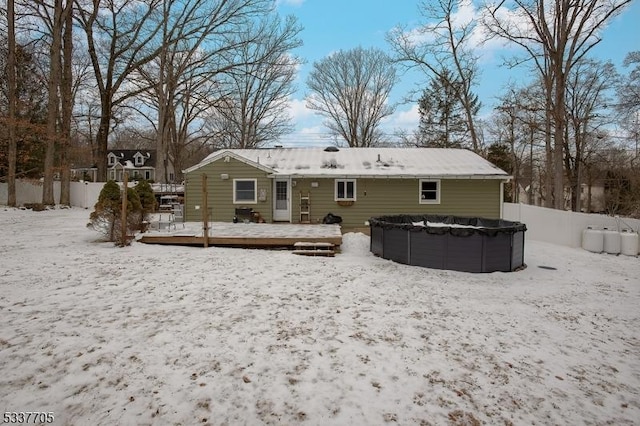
(262, 235)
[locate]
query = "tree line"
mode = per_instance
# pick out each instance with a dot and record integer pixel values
(177, 76)
(570, 124)
(188, 76)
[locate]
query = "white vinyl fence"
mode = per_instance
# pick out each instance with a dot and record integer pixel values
(562, 227)
(83, 194)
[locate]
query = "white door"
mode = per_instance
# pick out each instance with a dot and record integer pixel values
(282, 201)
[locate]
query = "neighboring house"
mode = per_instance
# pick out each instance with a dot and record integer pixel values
(592, 198)
(303, 185)
(87, 173)
(138, 163)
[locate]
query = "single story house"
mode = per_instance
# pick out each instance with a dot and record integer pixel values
(303, 185)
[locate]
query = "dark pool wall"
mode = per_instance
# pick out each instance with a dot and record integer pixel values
(495, 245)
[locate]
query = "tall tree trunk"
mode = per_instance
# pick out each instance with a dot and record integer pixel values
(558, 142)
(548, 176)
(66, 91)
(12, 98)
(589, 186)
(475, 143)
(161, 135)
(53, 104)
(102, 138)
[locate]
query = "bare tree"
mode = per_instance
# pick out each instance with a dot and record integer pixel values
(12, 98)
(198, 40)
(187, 100)
(55, 22)
(350, 88)
(510, 131)
(621, 180)
(516, 125)
(441, 46)
(629, 90)
(587, 85)
(253, 108)
(66, 100)
(120, 38)
(555, 37)
(628, 96)
(194, 51)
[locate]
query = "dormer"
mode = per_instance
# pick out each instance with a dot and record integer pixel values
(138, 159)
(111, 159)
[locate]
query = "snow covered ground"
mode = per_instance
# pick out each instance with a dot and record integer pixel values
(182, 335)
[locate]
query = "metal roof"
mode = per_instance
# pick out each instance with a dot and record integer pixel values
(363, 162)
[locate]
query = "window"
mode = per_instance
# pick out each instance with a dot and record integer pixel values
(139, 161)
(111, 159)
(345, 190)
(244, 191)
(429, 191)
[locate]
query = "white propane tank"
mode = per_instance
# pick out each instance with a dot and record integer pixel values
(593, 240)
(611, 241)
(629, 242)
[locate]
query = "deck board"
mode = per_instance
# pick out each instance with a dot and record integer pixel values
(246, 235)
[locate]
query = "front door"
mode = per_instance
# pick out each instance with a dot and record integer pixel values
(282, 201)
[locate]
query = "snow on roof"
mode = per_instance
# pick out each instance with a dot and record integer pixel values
(392, 162)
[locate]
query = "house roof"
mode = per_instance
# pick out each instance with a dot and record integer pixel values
(126, 157)
(363, 162)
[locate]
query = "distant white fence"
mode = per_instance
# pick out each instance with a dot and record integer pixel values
(561, 227)
(83, 194)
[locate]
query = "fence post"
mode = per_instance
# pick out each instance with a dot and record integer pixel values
(205, 212)
(123, 216)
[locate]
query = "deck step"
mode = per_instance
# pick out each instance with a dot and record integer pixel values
(326, 253)
(314, 245)
(309, 248)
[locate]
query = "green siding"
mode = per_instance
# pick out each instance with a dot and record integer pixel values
(375, 197)
(220, 192)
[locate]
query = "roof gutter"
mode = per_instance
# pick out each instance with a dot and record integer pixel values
(348, 176)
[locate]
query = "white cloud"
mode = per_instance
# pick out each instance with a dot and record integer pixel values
(298, 110)
(403, 119)
(310, 130)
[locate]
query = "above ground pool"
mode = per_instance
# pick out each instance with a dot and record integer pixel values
(449, 242)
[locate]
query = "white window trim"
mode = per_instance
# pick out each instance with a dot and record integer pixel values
(335, 190)
(138, 159)
(438, 190)
(111, 159)
(255, 192)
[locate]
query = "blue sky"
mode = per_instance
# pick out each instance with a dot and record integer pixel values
(332, 25)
